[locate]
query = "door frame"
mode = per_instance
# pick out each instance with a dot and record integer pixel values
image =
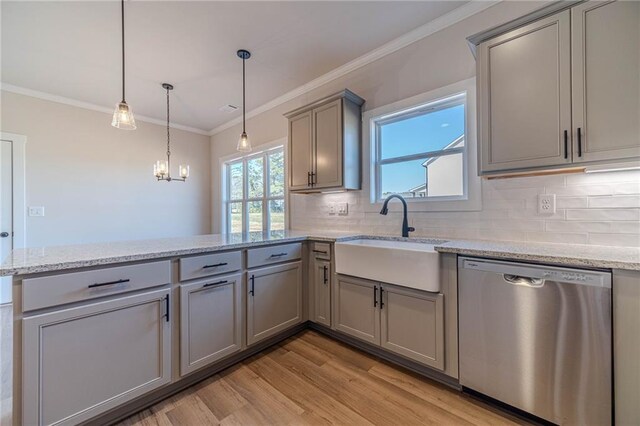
(18, 169)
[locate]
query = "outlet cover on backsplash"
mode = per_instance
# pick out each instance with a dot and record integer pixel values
(331, 208)
(343, 209)
(546, 204)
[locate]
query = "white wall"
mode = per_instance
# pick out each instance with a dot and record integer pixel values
(96, 182)
(592, 209)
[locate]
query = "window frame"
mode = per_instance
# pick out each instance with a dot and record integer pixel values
(244, 201)
(417, 105)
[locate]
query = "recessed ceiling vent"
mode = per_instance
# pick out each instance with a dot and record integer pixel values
(228, 108)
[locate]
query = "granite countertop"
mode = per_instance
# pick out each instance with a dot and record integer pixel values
(49, 259)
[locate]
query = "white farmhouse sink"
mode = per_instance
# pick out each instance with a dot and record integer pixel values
(404, 263)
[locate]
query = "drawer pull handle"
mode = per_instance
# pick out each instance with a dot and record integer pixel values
(216, 283)
(215, 265)
(320, 251)
(278, 254)
(108, 283)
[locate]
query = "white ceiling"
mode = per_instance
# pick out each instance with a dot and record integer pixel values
(72, 49)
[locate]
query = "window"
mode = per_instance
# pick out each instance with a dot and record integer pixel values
(255, 192)
(421, 151)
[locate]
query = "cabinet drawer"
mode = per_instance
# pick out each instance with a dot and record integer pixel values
(321, 250)
(76, 286)
(273, 254)
(210, 264)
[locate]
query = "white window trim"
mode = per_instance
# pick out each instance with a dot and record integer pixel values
(473, 200)
(224, 184)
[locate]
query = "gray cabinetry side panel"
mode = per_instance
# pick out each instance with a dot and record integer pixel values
(82, 361)
(413, 324)
(626, 346)
(274, 300)
(525, 101)
(300, 150)
(606, 80)
(210, 321)
(356, 309)
(322, 292)
(327, 129)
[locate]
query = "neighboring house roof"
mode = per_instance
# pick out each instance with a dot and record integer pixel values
(420, 188)
(453, 144)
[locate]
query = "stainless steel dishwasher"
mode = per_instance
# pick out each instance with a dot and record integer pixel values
(537, 338)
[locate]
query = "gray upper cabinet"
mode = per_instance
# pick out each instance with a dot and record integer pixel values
(210, 321)
(324, 144)
(562, 91)
(356, 309)
(605, 52)
(82, 361)
(525, 103)
(274, 300)
(413, 324)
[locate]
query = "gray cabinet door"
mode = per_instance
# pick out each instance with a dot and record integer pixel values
(356, 310)
(322, 292)
(328, 153)
(274, 300)
(606, 80)
(82, 361)
(300, 151)
(412, 324)
(525, 100)
(210, 321)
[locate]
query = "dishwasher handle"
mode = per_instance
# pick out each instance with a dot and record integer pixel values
(523, 281)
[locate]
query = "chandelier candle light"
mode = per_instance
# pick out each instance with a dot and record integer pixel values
(123, 114)
(243, 144)
(162, 168)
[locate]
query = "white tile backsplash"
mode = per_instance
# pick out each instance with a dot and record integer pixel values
(599, 209)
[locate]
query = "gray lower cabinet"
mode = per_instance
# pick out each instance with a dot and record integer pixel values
(356, 309)
(210, 321)
(321, 287)
(79, 362)
(274, 300)
(413, 324)
(405, 321)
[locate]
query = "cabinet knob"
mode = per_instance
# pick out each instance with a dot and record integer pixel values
(4, 234)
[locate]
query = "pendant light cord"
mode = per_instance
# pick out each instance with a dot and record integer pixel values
(122, 20)
(168, 135)
(243, 97)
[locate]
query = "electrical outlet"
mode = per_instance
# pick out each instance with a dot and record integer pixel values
(36, 211)
(546, 203)
(331, 208)
(343, 209)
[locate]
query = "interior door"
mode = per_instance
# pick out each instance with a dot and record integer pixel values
(300, 146)
(606, 80)
(6, 214)
(327, 128)
(525, 110)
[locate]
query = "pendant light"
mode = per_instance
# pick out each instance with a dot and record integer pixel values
(243, 144)
(123, 114)
(162, 168)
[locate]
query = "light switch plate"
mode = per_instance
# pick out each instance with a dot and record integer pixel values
(36, 211)
(546, 204)
(343, 209)
(332, 208)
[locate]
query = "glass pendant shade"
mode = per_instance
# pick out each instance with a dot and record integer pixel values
(243, 143)
(123, 117)
(161, 168)
(184, 171)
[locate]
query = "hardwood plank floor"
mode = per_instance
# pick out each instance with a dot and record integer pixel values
(311, 379)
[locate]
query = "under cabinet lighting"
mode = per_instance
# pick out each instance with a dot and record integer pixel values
(603, 168)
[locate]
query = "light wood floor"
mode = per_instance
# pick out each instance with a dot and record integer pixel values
(312, 380)
(307, 380)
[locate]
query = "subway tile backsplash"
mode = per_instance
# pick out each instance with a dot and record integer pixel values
(598, 209)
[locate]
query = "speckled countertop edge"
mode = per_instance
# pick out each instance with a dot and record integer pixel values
(32, 261)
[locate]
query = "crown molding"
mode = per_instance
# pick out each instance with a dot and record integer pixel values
(93, 107)
(431, 27)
